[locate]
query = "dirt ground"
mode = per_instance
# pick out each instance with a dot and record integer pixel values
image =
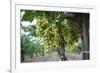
(53, 57)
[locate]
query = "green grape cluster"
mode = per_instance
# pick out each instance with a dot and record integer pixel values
(70, 32)
(49, 33)
(41, 26)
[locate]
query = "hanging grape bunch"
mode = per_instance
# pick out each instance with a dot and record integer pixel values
(70, 32)
(48, 32)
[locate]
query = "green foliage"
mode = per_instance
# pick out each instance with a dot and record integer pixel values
(25, 42)
(31, 46)
(28, 16)
(49, 27)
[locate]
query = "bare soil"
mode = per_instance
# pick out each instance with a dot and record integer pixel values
(53, 57)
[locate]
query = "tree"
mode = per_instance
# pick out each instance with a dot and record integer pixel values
(58, 29)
